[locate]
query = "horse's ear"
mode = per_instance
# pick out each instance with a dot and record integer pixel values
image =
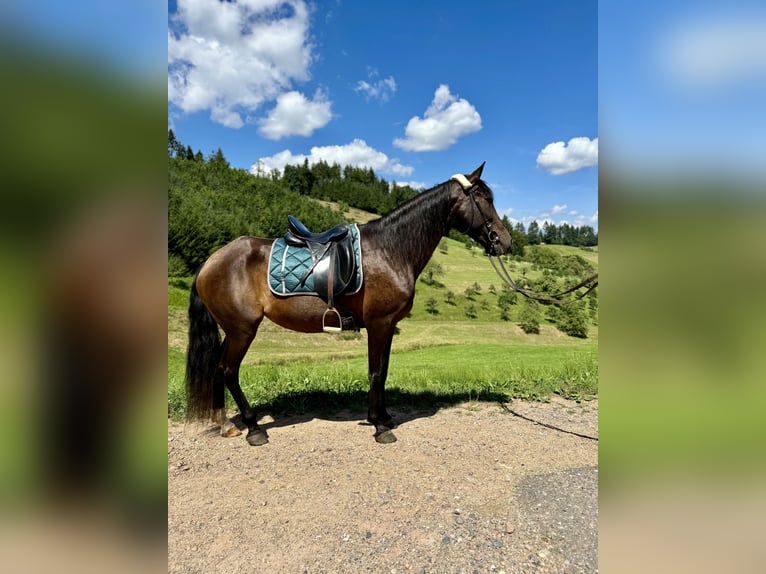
(476, 175)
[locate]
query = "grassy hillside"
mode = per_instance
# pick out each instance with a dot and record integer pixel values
(590, 254)
(351, 213)
(465, 267)
(445, 356)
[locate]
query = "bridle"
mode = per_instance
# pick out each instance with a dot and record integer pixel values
(470, 190)
(494, 240)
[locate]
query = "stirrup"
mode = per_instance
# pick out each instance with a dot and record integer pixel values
(329, 328)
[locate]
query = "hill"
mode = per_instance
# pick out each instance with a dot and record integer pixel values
(466, 268)
(353, 214)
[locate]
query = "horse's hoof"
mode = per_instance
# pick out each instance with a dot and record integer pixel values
(385, 437)
(257, 437)
(229, 429)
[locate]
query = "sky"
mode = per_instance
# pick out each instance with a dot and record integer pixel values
(674, 85)
(418, 91)
(682, 86)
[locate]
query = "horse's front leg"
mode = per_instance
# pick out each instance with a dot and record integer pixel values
(379, 351)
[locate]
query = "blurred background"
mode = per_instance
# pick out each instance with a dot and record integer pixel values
(83, 285)
(82, 288)
(682, 197)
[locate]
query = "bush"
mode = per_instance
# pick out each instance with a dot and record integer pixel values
(431, 306)
(472, 291)
(507, 297)
(432, 270)
(529, 319)
(176, 266)
(572, 320)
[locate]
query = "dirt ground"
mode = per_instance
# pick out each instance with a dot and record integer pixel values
(475, 488)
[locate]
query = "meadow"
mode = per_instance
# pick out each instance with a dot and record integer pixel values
(441, 355)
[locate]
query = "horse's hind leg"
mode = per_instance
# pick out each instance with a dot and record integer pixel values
(228, 428)
(235, 348)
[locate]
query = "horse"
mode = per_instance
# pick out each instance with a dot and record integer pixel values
(231, 291)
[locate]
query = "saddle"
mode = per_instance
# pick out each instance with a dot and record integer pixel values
(333, 263)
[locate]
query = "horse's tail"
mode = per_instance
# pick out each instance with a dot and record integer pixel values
(202, 358)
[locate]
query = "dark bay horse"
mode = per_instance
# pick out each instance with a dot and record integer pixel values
(231, 291)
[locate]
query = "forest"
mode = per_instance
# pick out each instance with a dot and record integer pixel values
(211, 203)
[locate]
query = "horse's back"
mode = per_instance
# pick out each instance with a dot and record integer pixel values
(244, 250)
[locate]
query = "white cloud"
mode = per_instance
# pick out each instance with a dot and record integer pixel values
(715, 50)
(507, 212)
(357, 154)
(295, 115)
(446, 119)
(230, 58)
(558, 208)
(559, 158)
(412, 184)
(377, 90)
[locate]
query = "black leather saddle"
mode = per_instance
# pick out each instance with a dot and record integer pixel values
(333, 263)
(300, 234)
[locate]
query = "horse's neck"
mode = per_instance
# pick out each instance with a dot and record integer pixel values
(429, 241)
(412, 235)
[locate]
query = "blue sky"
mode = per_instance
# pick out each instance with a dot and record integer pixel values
(683, 85)
(680, 85)
(416, 90)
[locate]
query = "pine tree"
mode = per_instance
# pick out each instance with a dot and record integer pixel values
(550, 233)
(533, 234)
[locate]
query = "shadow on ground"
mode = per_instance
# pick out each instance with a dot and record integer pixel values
(404, 406)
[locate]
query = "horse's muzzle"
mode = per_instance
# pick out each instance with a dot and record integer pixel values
(496, 246)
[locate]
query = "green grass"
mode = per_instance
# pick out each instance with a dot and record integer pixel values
(436, 360)
(463, 267)
(446, 374)
(431, 364)
(352, 213)
(590, 254)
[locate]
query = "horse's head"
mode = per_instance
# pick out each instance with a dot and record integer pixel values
(474, 214)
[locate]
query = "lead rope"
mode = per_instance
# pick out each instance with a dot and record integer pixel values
(545, 300)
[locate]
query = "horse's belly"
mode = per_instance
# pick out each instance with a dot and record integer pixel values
(298, 313)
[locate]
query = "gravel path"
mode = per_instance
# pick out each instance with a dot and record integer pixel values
(472, 488)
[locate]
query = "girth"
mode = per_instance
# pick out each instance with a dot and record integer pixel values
(333, 263)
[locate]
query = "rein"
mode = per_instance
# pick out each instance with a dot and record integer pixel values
(502, 272)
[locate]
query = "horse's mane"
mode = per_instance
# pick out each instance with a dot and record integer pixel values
(410, 232)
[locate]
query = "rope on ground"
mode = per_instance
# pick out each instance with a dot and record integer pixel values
(554, 427)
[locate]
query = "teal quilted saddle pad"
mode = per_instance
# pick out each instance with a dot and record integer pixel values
(288, 264)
